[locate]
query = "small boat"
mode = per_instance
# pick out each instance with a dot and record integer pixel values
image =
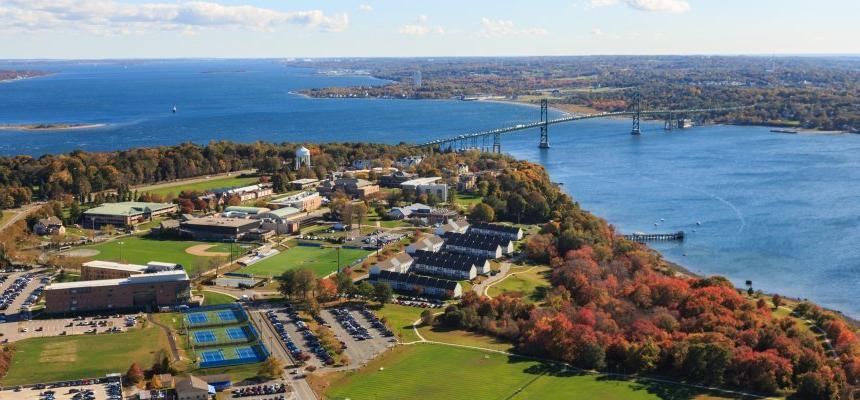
(698, 222)
(791, 131)
(174, 109)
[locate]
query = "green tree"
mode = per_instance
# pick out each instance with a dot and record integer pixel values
(365, 289)
(382, 292)
(482, 213)
(427, 317)
(271, 368)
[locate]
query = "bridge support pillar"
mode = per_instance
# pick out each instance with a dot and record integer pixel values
(670, 122)
(497, 143)
(544, 128)
(637, 113)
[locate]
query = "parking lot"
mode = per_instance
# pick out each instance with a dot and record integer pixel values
(20, 289)
(95, 391)
(14, 331)
(357, 331)
(363, 339)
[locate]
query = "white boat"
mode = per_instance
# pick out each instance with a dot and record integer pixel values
(174, 109)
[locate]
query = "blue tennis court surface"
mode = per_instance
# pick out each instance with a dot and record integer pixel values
(197, 318)
(227, 316)
(204, 336)
(245, 353)
(236, 334)
(212, 356)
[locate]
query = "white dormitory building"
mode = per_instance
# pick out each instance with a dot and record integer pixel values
(491, 247)
(428, 186)
(505, 231)
(407, 162)
(418, 284)
(453, 226)
(431, 243)
(246, 193)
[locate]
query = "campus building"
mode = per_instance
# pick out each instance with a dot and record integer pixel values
(353, 187)
(485, 246)
(453, 226)
(99, 270)
(128, 213)
(137, 292)
(243, 212)
(431, 243)
(303, 201)
(449, 265)
(394, 179)
(303, 184)
(49, 226)
(427, 186)
(218, 229)
(245, 193)
(419, 285)
(506, 231)
(398, 263)
(281, 221)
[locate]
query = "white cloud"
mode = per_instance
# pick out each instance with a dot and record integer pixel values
(113, 17)
(365, 7)
(672, 6)
(597, 32)
(421, 28)
(501, 28)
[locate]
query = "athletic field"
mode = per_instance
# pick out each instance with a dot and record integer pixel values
(414, 372)
(323, 261)
(202, 186)
(140, 250)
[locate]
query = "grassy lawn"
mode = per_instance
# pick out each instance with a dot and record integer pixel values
(530, 283)
(214, 298)
(323, 261)
(465, 338)
(400, 319)
(202, 185)
(373, 218)
(140, 250)
(7, 215)
(467, 200)
(82, 356)
(413, 372)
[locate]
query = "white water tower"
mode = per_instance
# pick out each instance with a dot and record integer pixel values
(303, 157)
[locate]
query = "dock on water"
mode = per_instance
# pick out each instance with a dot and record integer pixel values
(655, 237)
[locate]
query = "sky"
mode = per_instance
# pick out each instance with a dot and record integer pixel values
(79, 29)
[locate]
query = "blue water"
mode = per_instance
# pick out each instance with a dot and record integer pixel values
(775, 209)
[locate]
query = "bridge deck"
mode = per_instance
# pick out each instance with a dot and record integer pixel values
(538, 124)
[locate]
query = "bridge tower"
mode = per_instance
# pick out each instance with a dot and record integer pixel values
(544, 127)
(670, 122)
(497, 143)
(637, 113)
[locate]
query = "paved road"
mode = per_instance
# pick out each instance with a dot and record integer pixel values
(21, 213)
(273, 342)
(503, 272)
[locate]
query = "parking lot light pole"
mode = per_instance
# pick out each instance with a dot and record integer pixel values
(120, 251)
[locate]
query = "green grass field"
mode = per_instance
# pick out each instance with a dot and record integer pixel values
(323, 261)
(414, 372)
(202, 185)
(467, 200)
(400, 319)
(530, 283)
(215, 298)
(140, 250)
(82, 356)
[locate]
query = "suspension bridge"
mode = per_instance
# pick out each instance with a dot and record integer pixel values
(481, 139)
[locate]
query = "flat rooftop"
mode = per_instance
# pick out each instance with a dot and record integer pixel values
(158, 277)
(421, 181)
(128, 208)
(213, 221)
(115, 266)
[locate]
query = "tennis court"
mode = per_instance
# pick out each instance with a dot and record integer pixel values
(201, 337)
(210, 356)
(236, 334)
(245, 353)
(197, 318)
(227, 316)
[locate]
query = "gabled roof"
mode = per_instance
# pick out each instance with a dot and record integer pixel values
(476, 241)
(417, 280)
(496, 227)
(459, 262)
(192, 383)
(52, 220)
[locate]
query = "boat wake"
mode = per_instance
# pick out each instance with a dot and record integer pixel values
(735, 209)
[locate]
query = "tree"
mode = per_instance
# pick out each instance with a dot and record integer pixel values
(427, 317)
(364, 289)
(74, 212)
(134, 375)
(344, 282)
(816, 386)
(777, 301)
(271, 368)
(482, 213)
(382, 292)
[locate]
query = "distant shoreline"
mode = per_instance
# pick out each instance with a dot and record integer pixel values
(49, 127)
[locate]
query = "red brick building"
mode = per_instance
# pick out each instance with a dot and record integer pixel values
(138, 292)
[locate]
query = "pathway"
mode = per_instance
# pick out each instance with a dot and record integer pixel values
(487, 287)
(174, 349)
(20, 213)
(503, 273)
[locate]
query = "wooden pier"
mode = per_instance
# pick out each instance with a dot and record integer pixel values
(655, 237)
